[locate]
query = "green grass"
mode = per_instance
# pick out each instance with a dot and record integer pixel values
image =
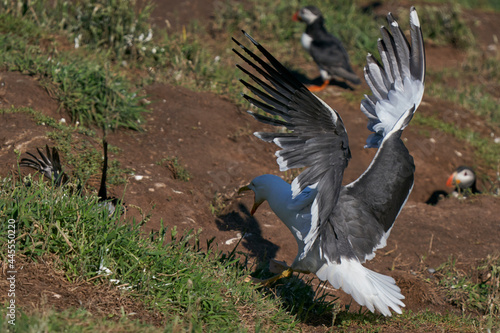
(170, 273)
(85, 86)
(473, 4)
(193, 286)
(72, 320)
(184, 59)
(442, 25)
(178, 171)
(430, 321)
(477, 290)
(81, 158)
(485, 148)
(110, 24)
(113, 25)
(307, 300)
(409, 321)
(218, 204)
(479, 96)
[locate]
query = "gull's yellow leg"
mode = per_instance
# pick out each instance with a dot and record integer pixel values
(279, 267)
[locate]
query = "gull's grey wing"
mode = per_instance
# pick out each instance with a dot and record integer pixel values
(316, 136)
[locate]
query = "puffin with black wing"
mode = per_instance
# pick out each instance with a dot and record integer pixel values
(326, 50)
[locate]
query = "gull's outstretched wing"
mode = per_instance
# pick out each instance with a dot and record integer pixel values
(316, 137)
(397, 84)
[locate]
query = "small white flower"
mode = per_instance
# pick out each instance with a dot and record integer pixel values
(150, 36)
(104, 270)
(77, 41)
(129, 39)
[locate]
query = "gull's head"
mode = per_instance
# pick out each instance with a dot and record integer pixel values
(262, 187)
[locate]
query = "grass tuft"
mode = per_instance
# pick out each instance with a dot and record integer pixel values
(444, 25)
(485, 148)
(178, 171)
(171, 273)
(477, 290)
(90, 91)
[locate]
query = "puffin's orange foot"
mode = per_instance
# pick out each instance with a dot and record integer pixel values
(319, 88)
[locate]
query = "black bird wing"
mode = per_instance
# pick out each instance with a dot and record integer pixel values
(316, 137)
(49, 165)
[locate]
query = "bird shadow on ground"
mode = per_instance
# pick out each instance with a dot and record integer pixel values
(239, 219)
(318, 80)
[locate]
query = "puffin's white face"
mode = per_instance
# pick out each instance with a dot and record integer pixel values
(307, 16)
(463, 178)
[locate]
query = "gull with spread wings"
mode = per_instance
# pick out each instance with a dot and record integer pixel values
(338, 228)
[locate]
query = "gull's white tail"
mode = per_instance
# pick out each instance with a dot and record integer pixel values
(368, 288)
(398, 84)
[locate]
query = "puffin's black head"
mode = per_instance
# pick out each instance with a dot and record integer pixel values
(308, 15)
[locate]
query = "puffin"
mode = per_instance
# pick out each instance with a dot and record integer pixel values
(326, 50)
(463, 179)
(463, 182)
(50, 166)
(339, 227)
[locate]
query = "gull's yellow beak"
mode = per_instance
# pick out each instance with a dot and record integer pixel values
(255, 204)
(243, 189)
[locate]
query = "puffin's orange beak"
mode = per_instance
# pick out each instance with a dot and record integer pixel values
(296, 17)
(451, 180)
(255, 204)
